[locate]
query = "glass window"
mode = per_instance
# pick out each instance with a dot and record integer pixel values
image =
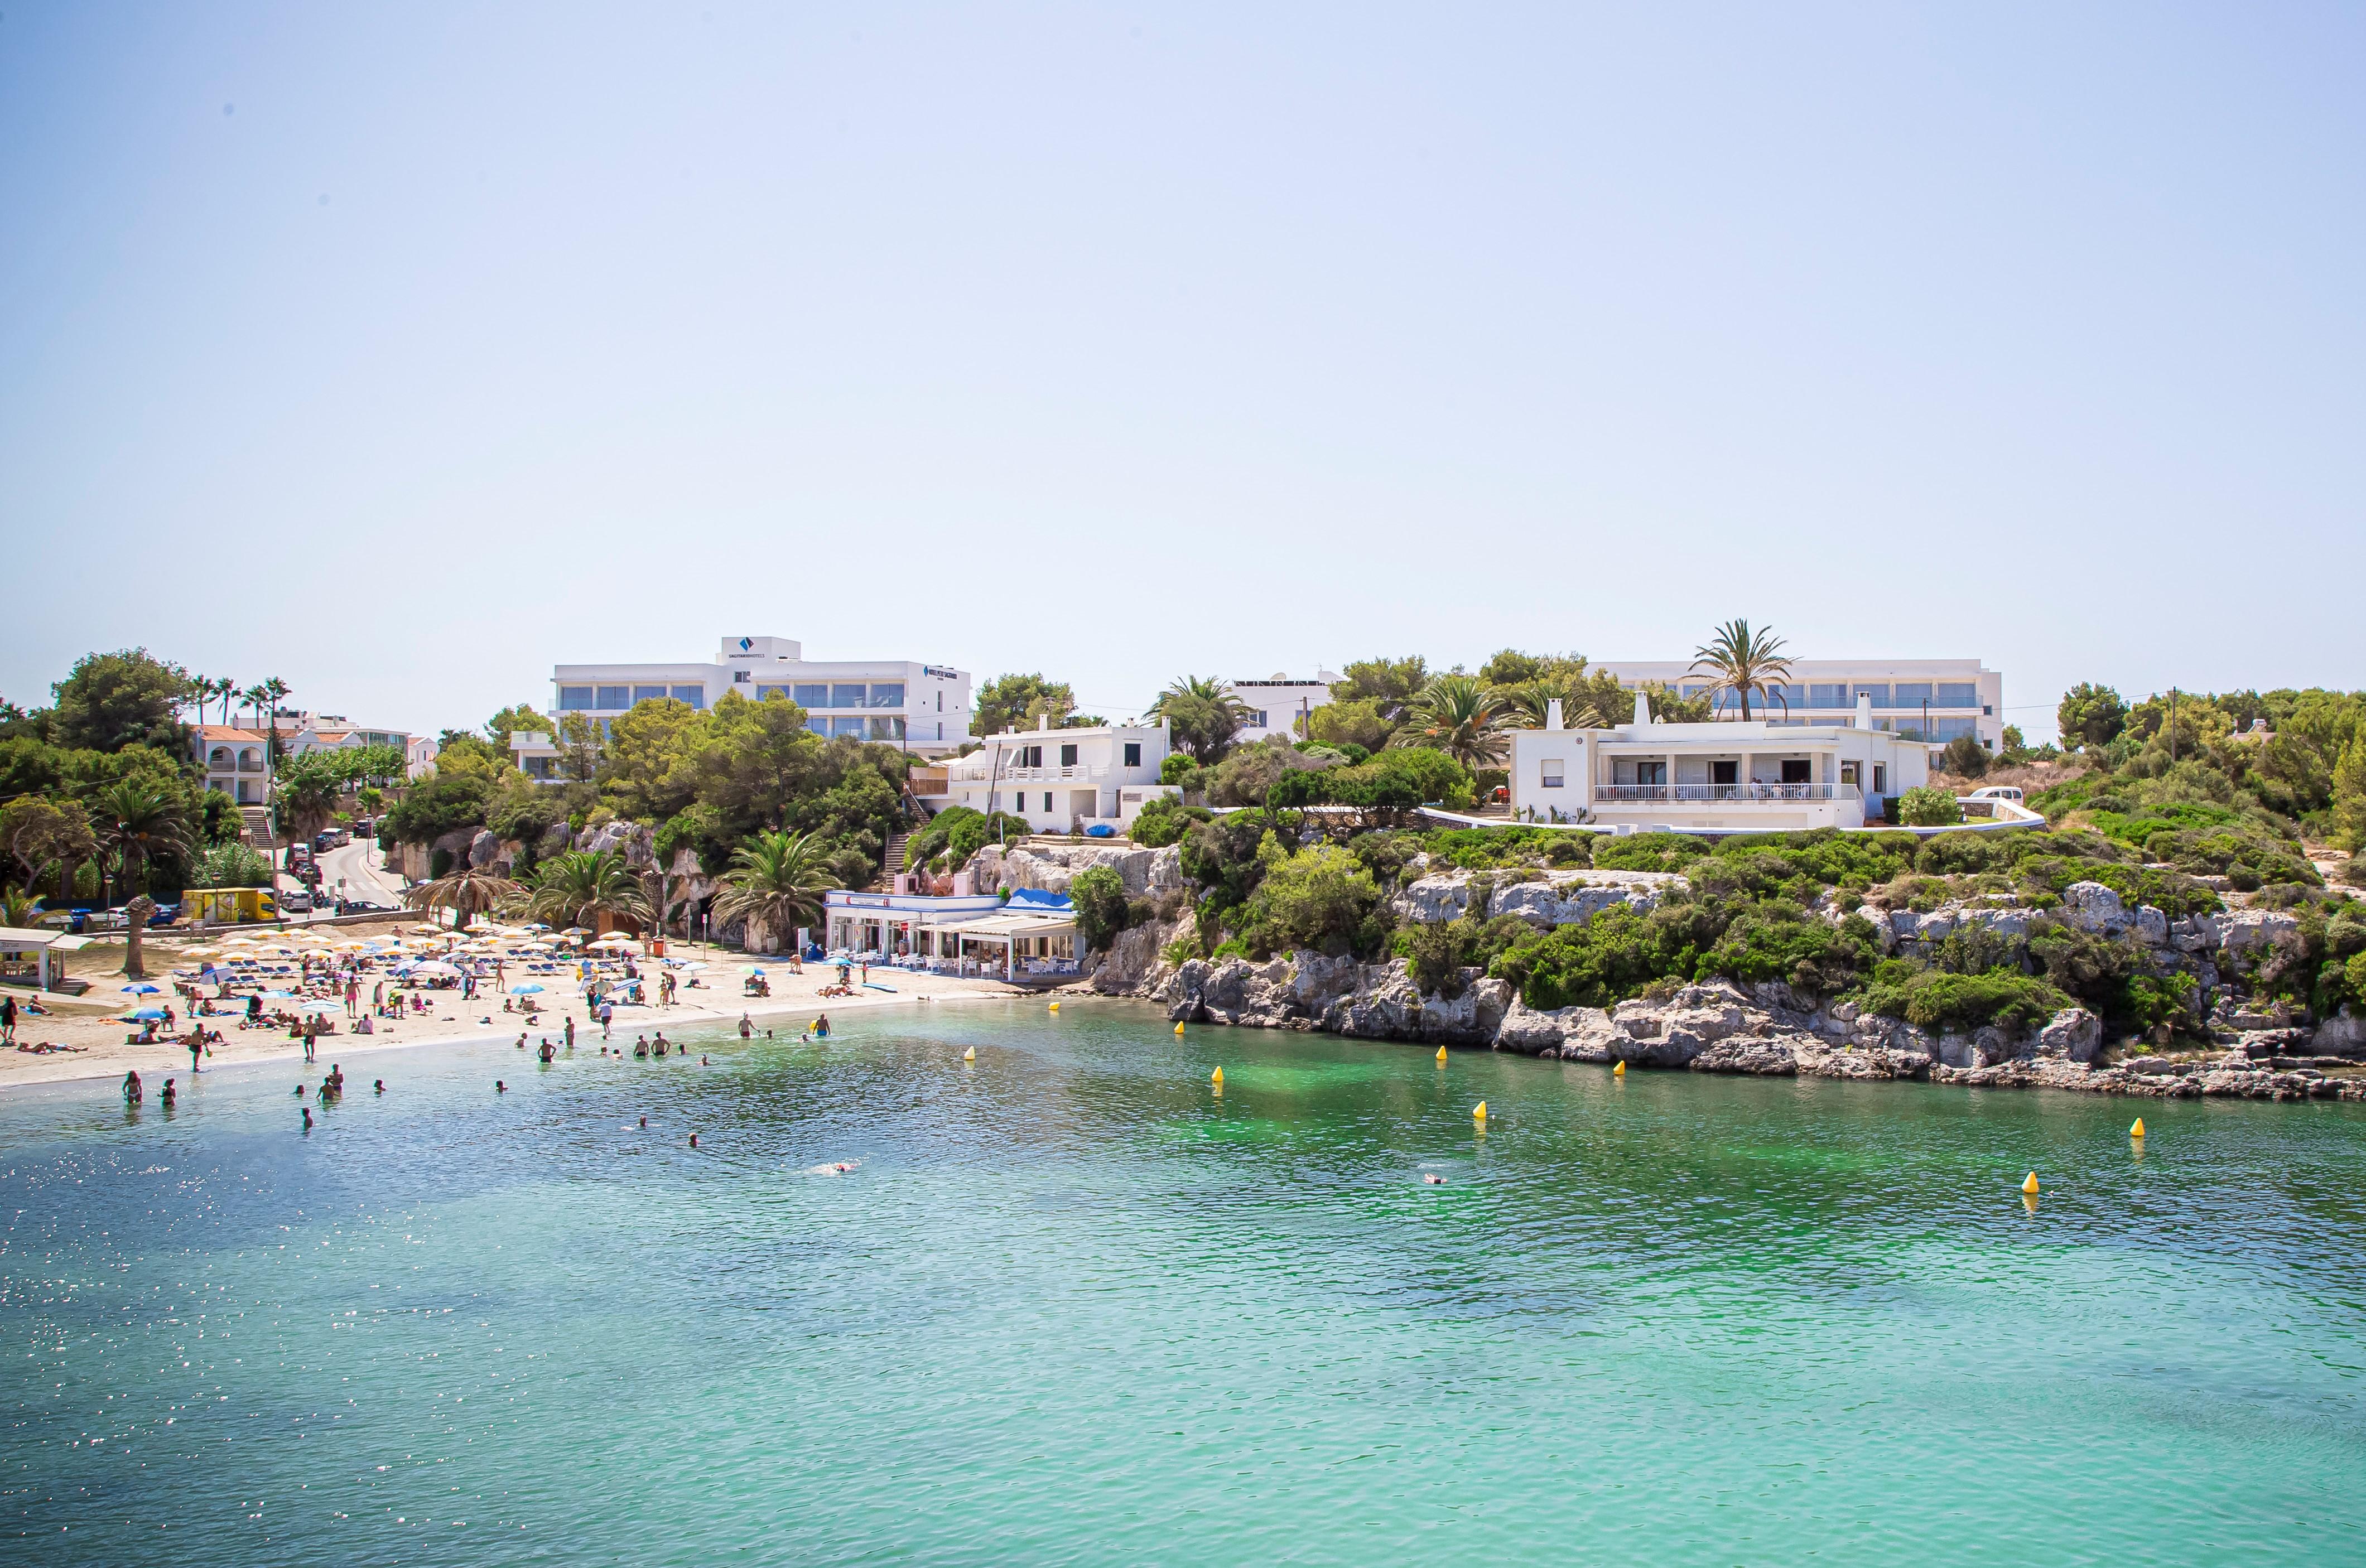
(818, 726)
(810, 695)
(1828, 695)
(695, 695)
(571, 698)
(888, 727)
(846, 695)
(1911, 694)
(1793, 694)
(1550, 772)
(615, 697)
(1650, 772)
(1880, 694)
(649, 694)
(1133, 752)
(1067, 756)
(766, 694)
(1958, 695)
(847, 726)
(886, 694)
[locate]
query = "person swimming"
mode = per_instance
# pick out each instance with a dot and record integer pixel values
(641, 1047)
(307, 1121)
(1434, 1179)
(499, 1088)
(381, 1086)
(170, 1094)
(694, 1140)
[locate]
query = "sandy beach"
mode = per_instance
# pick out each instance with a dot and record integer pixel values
(93, 1029)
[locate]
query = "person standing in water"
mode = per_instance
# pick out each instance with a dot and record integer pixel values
(570, 1031)
(132, 1090)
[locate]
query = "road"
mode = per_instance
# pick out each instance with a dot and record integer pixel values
(356, 867)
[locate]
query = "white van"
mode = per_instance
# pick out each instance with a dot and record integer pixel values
(1997, 792)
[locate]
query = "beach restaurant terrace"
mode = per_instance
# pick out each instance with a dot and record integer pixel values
(25, 955)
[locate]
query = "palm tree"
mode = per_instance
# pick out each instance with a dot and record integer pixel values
(1744, 660)
(577, 887)
(1203, 716)
(1528, 699)
(304, 797)
(18, 905)
(255, 697)
(226, 690)
(140, 819)
(776, 881)
(465, 890)
(274, 691)
(1457, 716)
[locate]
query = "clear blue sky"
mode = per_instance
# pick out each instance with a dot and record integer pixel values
(399, 352)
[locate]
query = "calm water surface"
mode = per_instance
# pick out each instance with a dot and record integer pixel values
(1074, 1307)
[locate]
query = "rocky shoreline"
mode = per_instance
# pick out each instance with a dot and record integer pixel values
(1717, 1027)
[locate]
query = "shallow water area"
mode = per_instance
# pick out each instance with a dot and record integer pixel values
(1072, 1303)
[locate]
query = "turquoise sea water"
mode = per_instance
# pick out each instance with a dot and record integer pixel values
(1074, 1307)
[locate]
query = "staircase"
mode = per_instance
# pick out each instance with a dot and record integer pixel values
(893, 865)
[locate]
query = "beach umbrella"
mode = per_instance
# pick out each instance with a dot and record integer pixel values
(138, 1013)
(525, 990)
(142, 989)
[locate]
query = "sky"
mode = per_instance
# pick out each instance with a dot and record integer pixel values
(400, 353)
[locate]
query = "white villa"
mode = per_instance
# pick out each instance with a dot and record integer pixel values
(1928, 699)
(235, 759)
(1725, 777)
(925, 708)
(1275, 705)
(1063, 780)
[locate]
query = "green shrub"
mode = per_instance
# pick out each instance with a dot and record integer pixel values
(231, 866)
(1179, 769)
(1965, 757)
(1828, 856)
(1933, 998)
(1610, 957)
(1321, 898)
(1437, 954)
(1649, 852)
(1778, 941)
(1164, 821)
(1925, 806)
(1101, 911)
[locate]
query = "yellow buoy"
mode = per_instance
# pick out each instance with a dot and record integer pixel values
(2136, 1131)
(1441, 1055)
(1619, 1071)
(1217, 1077)
(970, 1055)
(2030, 1186)
(1055, 1007)
(1179, 1029)
(1479, 1111)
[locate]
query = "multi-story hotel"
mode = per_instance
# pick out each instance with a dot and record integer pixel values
(925, 708)
(1916, 699)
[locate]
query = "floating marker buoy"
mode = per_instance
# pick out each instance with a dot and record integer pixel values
(1441, 1055)
(2030, 1186)
(2136, 1131)
(1179, 1029)
(970, 1055)
(1217, 1078)
(1619, 1071)
(1055, 1007)
(1479, 1111)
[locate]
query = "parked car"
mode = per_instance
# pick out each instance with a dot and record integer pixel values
(296, 901)
(1996, 792)
(363, 907)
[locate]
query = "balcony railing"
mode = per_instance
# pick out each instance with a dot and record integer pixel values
(1081, 772)
(1722, 795)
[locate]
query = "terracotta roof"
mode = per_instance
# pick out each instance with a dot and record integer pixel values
(227, 733)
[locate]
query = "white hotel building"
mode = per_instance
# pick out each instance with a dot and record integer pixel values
(1923, 699)
(924, 707)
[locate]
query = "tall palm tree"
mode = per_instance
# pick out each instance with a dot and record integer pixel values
(18, 905)
(1456, 715)
(1203, 716)
(225, 690)
(140, 819)
(304, 797)
(575, 888)
(274, 692)
(466, 891)
(777, 881)
(1743, 659)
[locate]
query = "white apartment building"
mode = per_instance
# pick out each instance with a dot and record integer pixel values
(1275, 706)
(1063, 780)
(1927, 699)
(235, 758)
(925, 708)
(1724, 777)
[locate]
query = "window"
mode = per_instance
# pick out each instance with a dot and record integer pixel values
(846, 695)
(887, 694)
(766, 694)
(1826, 694)
(887, 727)
(695, 695)
(572, 699)
(615, 697)
(1911, 694)
(1652, 773)
(818, 726)
(809, 694)
(1849, 773)
(1029, 757)
(1881, 778)
(847, 726)
(1134, 753)
(1798, 769)
(649, 694)
(1880, 694)
(1549, 773)
(249, 760)
(1047, 802)
(1724, 772)
(940, 700)
(218, 757)
(1780, 695)
(1958, 695)
(940, 730)
(741, 677)
(1067, 756)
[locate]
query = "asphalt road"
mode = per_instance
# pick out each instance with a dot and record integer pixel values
(358, 864)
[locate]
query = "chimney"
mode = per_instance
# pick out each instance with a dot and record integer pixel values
(1865, 710)
(1552, 714)
(1642, 710)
